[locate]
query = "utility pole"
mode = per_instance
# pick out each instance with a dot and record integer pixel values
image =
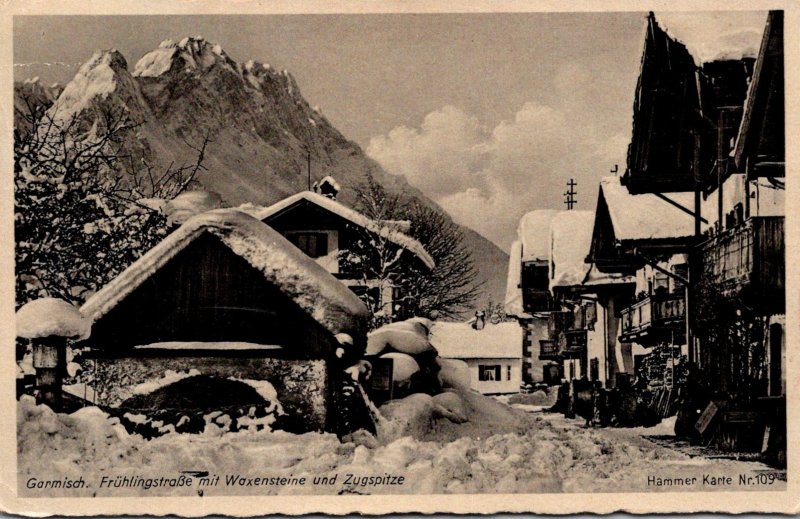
(569, 195)
(308, 157)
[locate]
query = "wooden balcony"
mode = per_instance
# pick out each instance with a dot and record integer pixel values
(660, 317)
(570, 344)
(748, 262)
(549, 350)
(573, 343)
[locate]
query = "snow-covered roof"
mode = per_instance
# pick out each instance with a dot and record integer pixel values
(570, 240)
(534, 233)
(594, 278)
(310, 286)
(513, 302)
(51, 317)
(646, 216)
(460, 341)
(354, 217)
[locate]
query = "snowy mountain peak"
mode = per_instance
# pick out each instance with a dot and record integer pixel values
(190, 54)
(96, 79)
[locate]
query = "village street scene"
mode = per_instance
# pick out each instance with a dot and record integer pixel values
(225, 289)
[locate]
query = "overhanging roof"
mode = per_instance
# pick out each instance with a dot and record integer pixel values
(388, 231)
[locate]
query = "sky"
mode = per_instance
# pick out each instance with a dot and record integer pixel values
(488, 114)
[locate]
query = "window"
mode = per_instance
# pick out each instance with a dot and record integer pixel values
(508, 372)
(594, 369)
(489, 373)
(314, 244)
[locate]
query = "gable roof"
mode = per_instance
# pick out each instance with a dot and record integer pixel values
(570, 239)
(766, 92)
(461, 341)
(534, 233)
(667, 97)
(310, 286)
(646, 216)
(389, 231)
(596, 278)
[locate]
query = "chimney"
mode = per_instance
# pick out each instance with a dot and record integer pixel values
(327, 187)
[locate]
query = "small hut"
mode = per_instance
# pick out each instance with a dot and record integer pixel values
(226, 296)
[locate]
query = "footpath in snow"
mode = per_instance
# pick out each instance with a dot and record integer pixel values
(462, 443)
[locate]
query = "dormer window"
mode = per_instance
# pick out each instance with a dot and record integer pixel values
(314, 244)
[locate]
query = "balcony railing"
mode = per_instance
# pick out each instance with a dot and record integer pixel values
(573, 343)
(656, 313)
(748, 258)
(570, 344)
(549, 350)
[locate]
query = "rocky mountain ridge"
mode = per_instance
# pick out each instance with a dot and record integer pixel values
(262, 131)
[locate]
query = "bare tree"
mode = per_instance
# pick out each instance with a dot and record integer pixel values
(450, 289)
(84, 206)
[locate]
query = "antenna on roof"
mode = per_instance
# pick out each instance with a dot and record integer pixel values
(569, 195)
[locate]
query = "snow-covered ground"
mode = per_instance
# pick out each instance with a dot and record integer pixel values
(452, 443)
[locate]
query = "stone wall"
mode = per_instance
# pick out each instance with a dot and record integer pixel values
(302, 385)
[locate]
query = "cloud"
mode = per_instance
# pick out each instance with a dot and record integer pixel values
(488, 178)
(446, 149)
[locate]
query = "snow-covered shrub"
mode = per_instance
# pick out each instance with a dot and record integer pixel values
(83, 211)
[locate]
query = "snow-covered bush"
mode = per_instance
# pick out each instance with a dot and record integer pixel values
(83, 211)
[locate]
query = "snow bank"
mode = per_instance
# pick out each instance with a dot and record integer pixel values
(451, 406)
(499, 450)
(424, 321)
(664, 428)
(454, 374)
(404, 367)
(51, 317)
(405, 338)
(409, 416)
